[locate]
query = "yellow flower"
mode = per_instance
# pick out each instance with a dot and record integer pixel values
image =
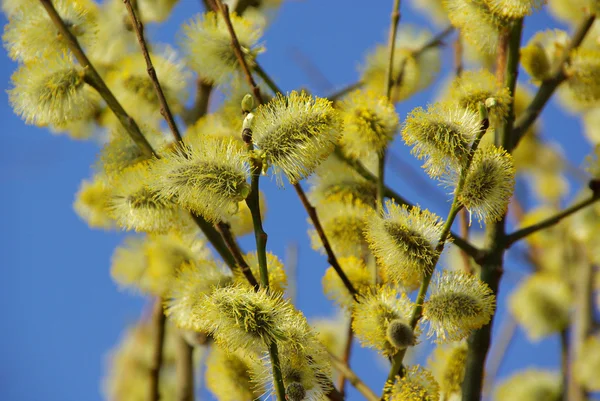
(207, 45)
(587, 364)
(91, 203)
(209, 181)
(442, 136)
(240, 318)
(375, 313)
(155, 10)
(541, 305)
(458, 303)
(359, 275)
(570, 11)
(149, 264)
(32, 36)
(404, 240)
(514, 8)
(489, 184)
(135, 206)
(417, 385)
(542, 51)
(295, 133)
(329, 331)
(187, 290)
(472, 88)
(410, 73)
(530, 385)
(485, 33)
(581, 91)
(447, 364)
(370, 123)
(228, 378)
(51, 91)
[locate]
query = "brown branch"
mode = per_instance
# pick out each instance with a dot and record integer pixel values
(237, 48)
(230, 242)
(341, 384)
(158, 326)
(165, 110)
(331, 258)
(200, 106)
(353, 378)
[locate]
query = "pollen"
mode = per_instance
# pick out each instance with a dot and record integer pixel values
(295, 133)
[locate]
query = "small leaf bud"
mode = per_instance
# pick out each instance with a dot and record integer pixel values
(247, 103)
(400, 334)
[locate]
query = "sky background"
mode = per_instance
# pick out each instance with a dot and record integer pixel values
(61, 311)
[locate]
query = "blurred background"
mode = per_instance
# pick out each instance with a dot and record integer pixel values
(61, 311)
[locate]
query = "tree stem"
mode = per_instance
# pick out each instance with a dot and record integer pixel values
(158, 327)
(185, 370)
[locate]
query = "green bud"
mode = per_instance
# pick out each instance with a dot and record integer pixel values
(247, 103)
(400, 334)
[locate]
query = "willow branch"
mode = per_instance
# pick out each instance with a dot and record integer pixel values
(356, 382)
(549, 85)
(550, 221)
(165, 110)
(200, 106)
(492, 267)
(158, 327)
(456, 207)
(94, 79)
(234, 249)
(341, 384)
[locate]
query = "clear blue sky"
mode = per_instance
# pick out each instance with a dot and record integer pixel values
(62, 312)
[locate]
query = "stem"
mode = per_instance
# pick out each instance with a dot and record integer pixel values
(185, 370)
(158, 326)
(492, 266)
(356, 382)
(331, 258)
(549, 222)
(549, 85)
(498, 353)
(94, 79)
(564, 363)
(165, 110)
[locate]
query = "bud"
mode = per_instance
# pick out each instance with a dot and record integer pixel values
(417, 384)
(535, 61)
(400, 334)
(247, 103)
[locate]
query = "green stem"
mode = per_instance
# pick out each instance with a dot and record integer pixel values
(550, 221)
(549, 85)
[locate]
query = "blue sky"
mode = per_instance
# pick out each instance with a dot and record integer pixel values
(62, 312)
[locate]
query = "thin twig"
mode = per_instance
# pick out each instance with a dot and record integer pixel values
(234, 249)
(356, 382)
(94, 79)
(165, 110)
(550, 84)
(158, 327)
(550, 221)
(237, 48)
(200, 106)
(337, 95)
(331, 258)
